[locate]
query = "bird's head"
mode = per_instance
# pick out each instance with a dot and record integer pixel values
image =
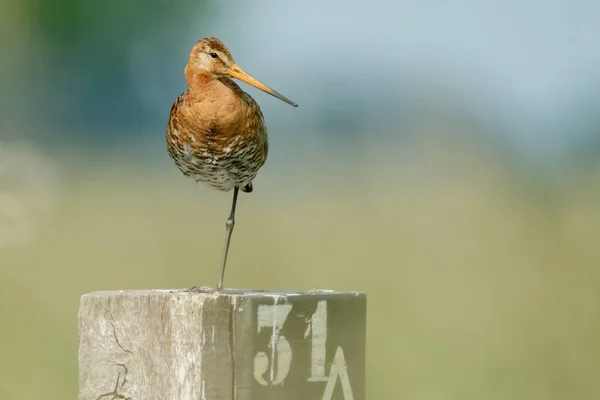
(211, 57)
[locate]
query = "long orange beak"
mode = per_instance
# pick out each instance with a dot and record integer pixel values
(236, 72)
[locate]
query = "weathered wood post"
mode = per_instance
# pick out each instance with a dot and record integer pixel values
(229, 345)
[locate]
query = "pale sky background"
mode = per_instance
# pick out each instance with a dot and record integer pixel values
(532, 61)
(530, 68)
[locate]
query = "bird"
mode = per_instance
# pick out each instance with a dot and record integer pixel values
(216, 133)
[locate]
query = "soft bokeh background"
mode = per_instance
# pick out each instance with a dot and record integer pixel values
(445, 158)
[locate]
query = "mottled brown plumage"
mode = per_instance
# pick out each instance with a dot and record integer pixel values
(216, 132)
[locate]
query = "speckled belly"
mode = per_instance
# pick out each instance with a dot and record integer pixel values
(231, 167)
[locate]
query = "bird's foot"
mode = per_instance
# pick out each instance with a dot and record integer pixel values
(200, 289)
(248, 188)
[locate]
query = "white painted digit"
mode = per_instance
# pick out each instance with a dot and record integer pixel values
(273, 316)
(318, 328)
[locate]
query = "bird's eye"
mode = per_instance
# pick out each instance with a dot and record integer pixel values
(214, 55)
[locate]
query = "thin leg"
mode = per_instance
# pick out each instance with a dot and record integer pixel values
(228, 230)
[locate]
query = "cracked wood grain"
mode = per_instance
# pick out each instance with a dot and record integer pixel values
(121, 381)
(113, 324)
(157, 339)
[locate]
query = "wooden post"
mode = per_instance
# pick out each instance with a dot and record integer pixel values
(232, 345)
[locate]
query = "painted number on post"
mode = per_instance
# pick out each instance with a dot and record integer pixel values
(274, 316)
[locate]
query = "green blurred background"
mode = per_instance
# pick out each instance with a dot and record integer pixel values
(445, 159)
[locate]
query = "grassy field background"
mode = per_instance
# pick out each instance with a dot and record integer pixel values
(482, 281)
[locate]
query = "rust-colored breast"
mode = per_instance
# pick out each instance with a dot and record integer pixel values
(219, 136)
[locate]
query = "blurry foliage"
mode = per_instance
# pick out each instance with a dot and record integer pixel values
(86, 53)
(585, 150)
(71, 24)
(28, 194)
